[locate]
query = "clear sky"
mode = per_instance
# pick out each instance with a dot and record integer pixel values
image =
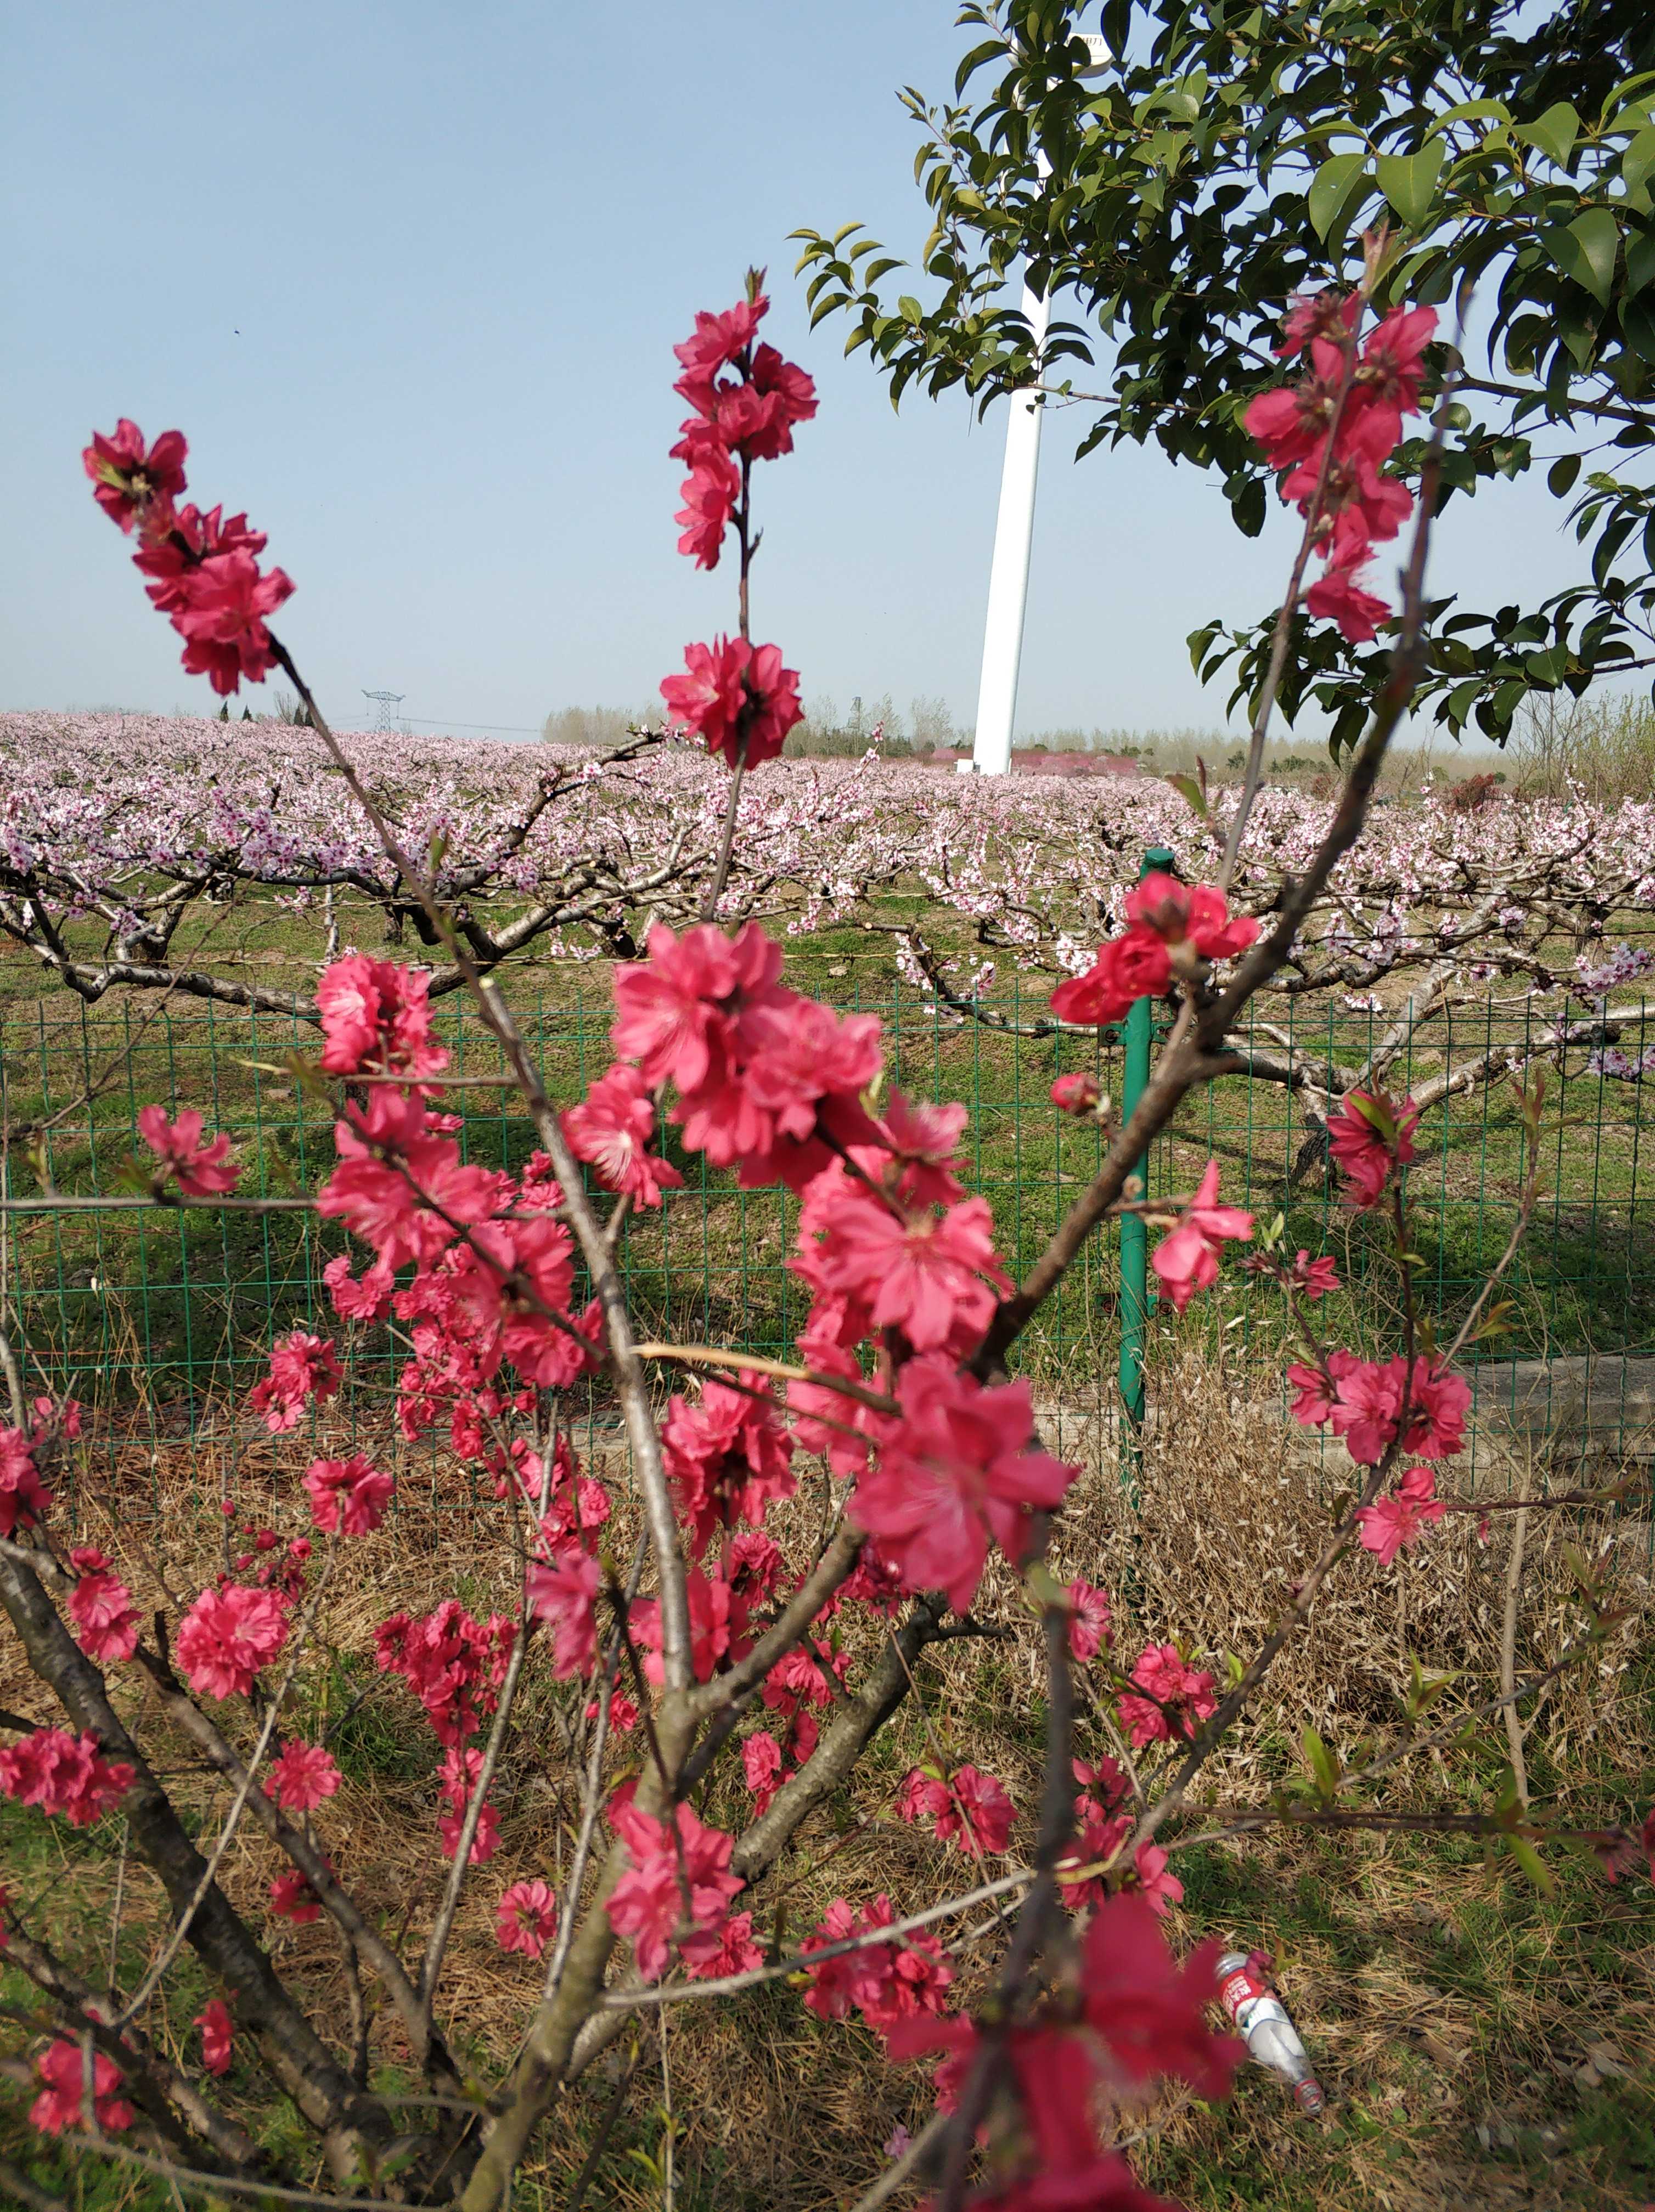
(408, 275)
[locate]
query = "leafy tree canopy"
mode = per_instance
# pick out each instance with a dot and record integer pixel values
(1232, 156)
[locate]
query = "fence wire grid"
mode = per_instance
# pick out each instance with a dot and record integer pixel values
(158, 1315)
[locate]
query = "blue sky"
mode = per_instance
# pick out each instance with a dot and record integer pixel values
(408, 275)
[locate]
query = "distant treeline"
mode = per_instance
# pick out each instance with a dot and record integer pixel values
(926, 728)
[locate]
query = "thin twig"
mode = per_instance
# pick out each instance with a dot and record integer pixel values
(660, 1993)
(591, 1795)
(167, 1202)
(606, 2128)
(170, 1949)
(787, 1370)
(437, 1943)
(221, 2184)
(1508, 1655)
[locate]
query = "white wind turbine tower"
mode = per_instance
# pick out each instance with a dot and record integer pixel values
(1008, 578)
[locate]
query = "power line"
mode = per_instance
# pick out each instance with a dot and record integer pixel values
(437, 722)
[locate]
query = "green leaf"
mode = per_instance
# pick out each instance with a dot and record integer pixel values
(990, 49)
(132, 1179)
(1320, 1761)
(1328, 187)
(1188, 790)
(1045, 1592)
(910, 308)
(1553, 133)
(1584, 251)
(1560, 477)
(1475, 111)
(1640, 265)
(1532, 1864)
(1597, 237)
(1637, 162)
(1408, 181)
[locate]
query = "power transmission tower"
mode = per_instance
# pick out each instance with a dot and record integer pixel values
(384, 702)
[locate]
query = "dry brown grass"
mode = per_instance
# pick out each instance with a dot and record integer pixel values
(1234, 1503)
(1437, 1994)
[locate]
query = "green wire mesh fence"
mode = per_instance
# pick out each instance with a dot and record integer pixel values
(165, 1312)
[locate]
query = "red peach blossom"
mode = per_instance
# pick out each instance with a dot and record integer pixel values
(932, 1276)
(720, 338)
(565, 1592)
(1150, 1879)
(727, 1458)
(761, 1767)
(292, 1898)
(975, 1812)
(612, 1129)
(131, 482)
(1149, 2013)
(66, 1776)
(647, 1905)
(376, 1017)
(60, 2108)
(1079, 1094)
(485, 1837)
(1313, 315)
(688, 1010)
(303, 1776)
(726, 1947)
(216, 2036)
(222, 620)
(718, 1626)
(1370, 1137)
(1186, 1261)
(1193, 913)
(365, 1299)
(1135, 966)
(227, 1636)
(300, 1366)
(1178, 1696)
(107, 1622)
(710, 493)
(1391, 1523)
(737, 698)
(23, 1497)
(1337, 596)
(1314, 1279)
(201, 1168)
(1089, 1619)
(525, 1918)
(953, 1473)
(172, 556)
(348, 1496)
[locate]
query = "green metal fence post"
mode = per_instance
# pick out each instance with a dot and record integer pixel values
(1137, 1032)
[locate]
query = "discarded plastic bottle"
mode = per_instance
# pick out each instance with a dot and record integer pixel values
(1246, 1993)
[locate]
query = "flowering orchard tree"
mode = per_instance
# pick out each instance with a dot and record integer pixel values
(748, 1653)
